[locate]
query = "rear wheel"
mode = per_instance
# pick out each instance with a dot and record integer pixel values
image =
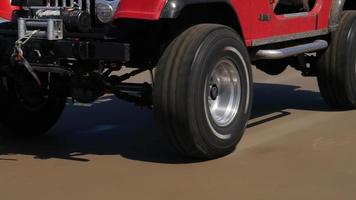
(202, 93)
(337, 67)
(25, 111)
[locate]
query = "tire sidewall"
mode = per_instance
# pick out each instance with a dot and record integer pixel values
(350, 61)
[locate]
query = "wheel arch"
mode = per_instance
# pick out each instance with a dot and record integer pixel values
(202, 11)
(176, 17)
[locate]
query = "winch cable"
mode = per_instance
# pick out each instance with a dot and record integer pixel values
(18, 55)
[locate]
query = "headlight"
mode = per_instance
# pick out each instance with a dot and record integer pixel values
(105, 9)
(104, 12)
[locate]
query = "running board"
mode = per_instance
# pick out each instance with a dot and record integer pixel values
(268, 54)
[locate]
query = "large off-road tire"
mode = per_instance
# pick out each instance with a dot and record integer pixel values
(203, 91)
(20, 117)
(337, 66)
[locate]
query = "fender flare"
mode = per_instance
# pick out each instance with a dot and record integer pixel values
(173, 8)
(335, 14)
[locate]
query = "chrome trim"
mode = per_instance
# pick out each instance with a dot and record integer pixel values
(58, 5)
(289, 37)
(292, 15)
(291, 51)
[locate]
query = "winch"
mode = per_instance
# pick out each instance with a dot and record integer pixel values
(53, 17)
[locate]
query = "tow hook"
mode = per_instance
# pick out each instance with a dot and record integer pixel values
(18, 55)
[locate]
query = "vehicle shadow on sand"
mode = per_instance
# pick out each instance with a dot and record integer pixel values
(114, 127)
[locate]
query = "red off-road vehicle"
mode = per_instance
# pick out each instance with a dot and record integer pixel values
(200, 53)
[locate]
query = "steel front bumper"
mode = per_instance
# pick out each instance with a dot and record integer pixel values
(91, 50)
(69, 48)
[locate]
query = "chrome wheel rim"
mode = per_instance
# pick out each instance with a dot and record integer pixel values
(223, 93)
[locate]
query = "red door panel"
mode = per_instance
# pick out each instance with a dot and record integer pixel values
(282, 24)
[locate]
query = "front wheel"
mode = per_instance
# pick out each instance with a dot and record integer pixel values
(202, 93)
(25, 111)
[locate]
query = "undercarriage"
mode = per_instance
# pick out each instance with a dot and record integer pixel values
(66, 40)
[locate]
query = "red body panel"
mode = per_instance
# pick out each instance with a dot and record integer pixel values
(142, 9)
(249, 14)
(287, 24)
(6, 9)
